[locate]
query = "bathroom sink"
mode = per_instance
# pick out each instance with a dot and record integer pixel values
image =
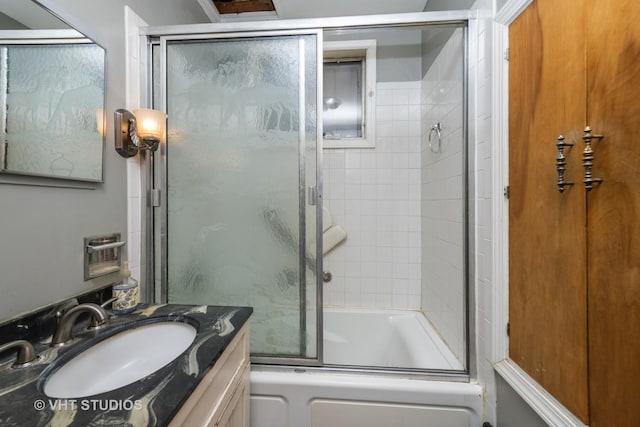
(120, 359)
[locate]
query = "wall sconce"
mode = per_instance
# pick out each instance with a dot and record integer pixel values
(141, 129)
(99, 112)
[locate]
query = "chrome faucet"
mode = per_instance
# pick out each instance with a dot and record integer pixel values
(26, 352)
(63, 334)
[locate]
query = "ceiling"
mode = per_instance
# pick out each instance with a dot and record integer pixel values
(243, 6)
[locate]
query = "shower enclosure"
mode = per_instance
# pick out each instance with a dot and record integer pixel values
(243, 181)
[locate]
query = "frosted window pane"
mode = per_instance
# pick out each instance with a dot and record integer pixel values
(234, 181)
(342, 100)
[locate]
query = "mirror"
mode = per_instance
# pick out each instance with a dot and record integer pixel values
(51, 96)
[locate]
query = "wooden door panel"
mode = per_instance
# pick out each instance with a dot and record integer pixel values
(613, 64)
(547, 247)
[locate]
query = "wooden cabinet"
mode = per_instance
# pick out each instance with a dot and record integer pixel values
(574, 256)
(222, 397)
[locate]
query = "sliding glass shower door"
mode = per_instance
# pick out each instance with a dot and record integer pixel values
(240, 168)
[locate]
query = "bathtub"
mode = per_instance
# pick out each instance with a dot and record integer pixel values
(384, 338)
(325, 397)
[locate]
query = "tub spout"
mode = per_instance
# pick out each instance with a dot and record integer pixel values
(63, 334)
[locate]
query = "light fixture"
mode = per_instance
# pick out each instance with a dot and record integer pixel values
(99, 112)
(141, 129)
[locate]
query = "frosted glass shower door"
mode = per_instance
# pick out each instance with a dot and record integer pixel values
(240, 180)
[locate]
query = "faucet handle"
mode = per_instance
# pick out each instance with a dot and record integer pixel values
(26, 352)
(107, 302)
(66, 306)
(63, 334)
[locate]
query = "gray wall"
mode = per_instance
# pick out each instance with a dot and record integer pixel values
(440, 5)
(42, 228)
(500, 4)
(8, 23)
(512, 410)
(434, 39)
(397, 52)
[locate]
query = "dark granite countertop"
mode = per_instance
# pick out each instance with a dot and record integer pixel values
(151, 401)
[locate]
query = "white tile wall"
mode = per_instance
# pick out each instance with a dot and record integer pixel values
(374, 194)
(442, 195)
(135, 65)
(374, 167)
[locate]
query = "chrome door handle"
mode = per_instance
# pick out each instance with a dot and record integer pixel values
(561, 162)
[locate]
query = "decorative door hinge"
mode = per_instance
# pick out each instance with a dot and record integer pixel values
(508, 329)
(507, 54)
(506, 192)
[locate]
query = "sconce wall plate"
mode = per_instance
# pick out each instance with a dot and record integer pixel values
(123, 120)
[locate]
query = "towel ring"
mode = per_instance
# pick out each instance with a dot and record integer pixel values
(438, 129)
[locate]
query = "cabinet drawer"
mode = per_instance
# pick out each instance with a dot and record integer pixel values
(215, 391)
(236, 413)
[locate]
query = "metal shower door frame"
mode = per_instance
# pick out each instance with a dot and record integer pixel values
(465, 18)
(164, 291)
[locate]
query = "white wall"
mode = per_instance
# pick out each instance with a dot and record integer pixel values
(442, 195)
(374, 194)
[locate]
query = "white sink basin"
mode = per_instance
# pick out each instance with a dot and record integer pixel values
(120, 360)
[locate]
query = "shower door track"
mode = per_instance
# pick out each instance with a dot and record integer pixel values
(461, 17)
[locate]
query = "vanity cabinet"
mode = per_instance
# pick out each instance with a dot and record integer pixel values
(574, 255)
(222, 397)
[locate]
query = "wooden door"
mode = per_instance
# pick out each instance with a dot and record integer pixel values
(613, 64)
(547, 243)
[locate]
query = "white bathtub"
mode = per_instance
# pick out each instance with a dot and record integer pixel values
(317, 398)
(384, 338)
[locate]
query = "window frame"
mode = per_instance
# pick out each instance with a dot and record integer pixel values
(350, 49)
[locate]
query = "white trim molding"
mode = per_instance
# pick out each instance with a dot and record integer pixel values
(511, 10)
(545, 405)
(500, 167)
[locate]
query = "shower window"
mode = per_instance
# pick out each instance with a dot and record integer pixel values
(342, 101)
(349, 94)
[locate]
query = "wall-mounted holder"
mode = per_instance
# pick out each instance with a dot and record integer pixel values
(102, 255)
